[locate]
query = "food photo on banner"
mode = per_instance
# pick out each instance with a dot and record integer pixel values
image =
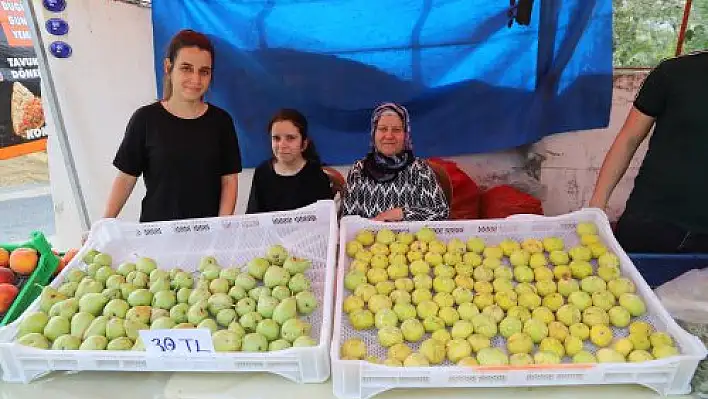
(22, 122)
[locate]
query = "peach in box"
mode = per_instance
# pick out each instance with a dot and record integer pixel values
(64, 260)
(23, 260)
(7, 276)
(8, 292)
(4, 257)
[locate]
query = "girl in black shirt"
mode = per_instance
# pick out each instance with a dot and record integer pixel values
(293, 178)
(185, 148)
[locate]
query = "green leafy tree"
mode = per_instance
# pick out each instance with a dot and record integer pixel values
(697, 32)
(646, 31)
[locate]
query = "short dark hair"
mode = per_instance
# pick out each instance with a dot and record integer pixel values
(298, 119)
(185, 38)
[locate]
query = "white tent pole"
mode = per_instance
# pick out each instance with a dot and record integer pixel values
(53, 101)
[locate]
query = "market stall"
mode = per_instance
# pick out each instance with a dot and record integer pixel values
(302, 304)
(527, 301)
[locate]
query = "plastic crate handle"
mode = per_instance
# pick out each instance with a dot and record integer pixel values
(40, 242)
(525, 216)
(531, 217)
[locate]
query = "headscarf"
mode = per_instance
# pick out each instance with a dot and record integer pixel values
(384, 168)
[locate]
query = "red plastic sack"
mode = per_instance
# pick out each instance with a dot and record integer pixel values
(502, 201)
(466, 194)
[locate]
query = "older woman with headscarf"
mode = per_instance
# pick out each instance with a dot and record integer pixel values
(391, 184)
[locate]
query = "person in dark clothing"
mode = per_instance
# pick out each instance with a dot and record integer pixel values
(293, 177)
(666, 211)
(185, 148)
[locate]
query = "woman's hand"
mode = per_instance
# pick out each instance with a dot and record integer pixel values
(597, 203)
(391, 215)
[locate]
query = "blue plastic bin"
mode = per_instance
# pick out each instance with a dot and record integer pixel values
(657, 269)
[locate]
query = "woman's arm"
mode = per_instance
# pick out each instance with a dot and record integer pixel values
(430, 203)
(254, 203)
(635, 130)
(350, 203)
(323, 189)
(230, 167)
(121, 189)
(229, 194)
(130, 160)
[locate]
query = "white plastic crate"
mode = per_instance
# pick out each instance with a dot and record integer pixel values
(309, 232)
(361, 379)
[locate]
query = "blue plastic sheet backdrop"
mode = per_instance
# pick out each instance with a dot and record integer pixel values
(471, 83)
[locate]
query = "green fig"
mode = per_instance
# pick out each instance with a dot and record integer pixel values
(226, 341)
(257, 267)
(140, 314)
(208, 324)
(32, 323)
(112, 293)
(88, 285)
(34, 340)
(116, 308)
(115, 328)
(140, 297)
(296, 265)
(66, 342)
(133, 328)
(97, 327)
(163, 323)
(178, 313)
(94, 343)
(145, 265)
(93, 303)
(80, 323)
(103, 259)
(120, 344)
(56, 327)
(75, 276)
(68, 289)
(164, 300)
(66, 308)
(125, 268)
(197, 312)
(276, 275)
(277, 254)
(286, 309)
(306, 302)
(48, 298)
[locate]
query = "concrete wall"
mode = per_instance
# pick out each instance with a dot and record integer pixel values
(110, 75)
(574, 159)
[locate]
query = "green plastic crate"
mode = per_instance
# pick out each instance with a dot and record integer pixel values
(31, 286)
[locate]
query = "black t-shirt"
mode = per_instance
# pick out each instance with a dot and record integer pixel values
(671, 184)
(181, 160)
(272, 192)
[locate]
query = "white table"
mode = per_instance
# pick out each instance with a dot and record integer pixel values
(120, 385)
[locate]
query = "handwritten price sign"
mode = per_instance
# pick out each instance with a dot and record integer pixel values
(177, 342)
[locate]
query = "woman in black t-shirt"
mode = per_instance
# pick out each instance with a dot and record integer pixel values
(293, 178)
(185, 148)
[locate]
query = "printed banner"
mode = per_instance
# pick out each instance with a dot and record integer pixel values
(22, 124)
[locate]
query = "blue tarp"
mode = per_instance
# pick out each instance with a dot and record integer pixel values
(471, 83)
